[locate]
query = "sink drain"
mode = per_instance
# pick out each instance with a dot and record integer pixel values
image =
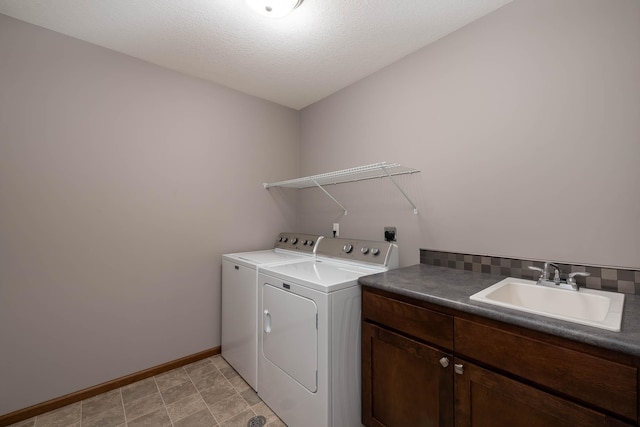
(257, 421)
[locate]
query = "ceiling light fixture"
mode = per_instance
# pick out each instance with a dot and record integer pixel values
(274, 8)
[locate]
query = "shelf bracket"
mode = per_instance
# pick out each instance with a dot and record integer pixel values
(330, 196)
(415, 209)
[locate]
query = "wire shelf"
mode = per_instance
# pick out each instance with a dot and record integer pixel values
(359, 173)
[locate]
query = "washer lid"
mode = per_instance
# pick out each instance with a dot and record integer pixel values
(270, 256)
(321, 274)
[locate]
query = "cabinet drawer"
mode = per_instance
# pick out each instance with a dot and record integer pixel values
(606, 384)
(409, 319)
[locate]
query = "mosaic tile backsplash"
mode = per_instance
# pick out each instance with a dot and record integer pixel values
(608, 279)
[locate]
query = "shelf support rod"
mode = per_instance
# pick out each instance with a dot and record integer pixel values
(332, 198)
(415, 209)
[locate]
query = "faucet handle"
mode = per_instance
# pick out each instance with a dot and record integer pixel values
(571, 278)
(541, 270)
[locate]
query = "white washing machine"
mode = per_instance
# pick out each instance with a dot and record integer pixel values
(309, 342)
(240, 298)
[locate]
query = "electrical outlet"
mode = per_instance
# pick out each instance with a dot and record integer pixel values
(336, 229)
(390, 234)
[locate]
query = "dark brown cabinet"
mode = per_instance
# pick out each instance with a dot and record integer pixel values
(425, 365)
(598, 380)
(487, 399)
(410, 383)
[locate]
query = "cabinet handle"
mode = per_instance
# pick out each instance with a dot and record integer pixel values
(458, 368)
(444, 362)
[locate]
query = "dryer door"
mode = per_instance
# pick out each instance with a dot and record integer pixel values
(290, 334)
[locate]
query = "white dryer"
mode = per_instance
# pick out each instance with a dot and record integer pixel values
(240, 298)
(309, 342)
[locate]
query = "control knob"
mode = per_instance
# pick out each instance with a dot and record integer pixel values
(347, 248)
(364, 250)
(310, 242)
(294, 240)
(284, 239)
(375, 251)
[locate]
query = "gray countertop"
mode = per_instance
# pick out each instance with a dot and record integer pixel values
(449, 287)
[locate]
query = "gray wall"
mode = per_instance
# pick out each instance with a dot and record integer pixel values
(121, 184)
(525, 126)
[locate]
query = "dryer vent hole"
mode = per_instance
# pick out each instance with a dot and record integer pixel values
(257, 421)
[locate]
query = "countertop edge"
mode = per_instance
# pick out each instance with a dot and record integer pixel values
(452, 288)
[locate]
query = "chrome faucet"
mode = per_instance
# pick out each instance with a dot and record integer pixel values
(557, 282)
(544, 272)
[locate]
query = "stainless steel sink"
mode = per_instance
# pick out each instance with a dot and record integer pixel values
(586, 306)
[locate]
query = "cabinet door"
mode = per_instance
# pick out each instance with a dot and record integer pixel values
(594, 380)
(404, 383)
(486, 399)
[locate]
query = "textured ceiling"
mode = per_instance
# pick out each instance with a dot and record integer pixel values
(320, 48)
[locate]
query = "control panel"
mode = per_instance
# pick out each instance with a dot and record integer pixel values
(375, 252)
(297, 242)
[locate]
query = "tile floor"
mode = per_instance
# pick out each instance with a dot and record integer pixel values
(206, 393)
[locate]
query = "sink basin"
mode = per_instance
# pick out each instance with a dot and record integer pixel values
(586, 306)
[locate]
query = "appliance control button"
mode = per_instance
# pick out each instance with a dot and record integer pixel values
(347, 248)
(294, 240)
(284, 240)
(375, 251)
(304, 242)
(310, 242)
(364, 250)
